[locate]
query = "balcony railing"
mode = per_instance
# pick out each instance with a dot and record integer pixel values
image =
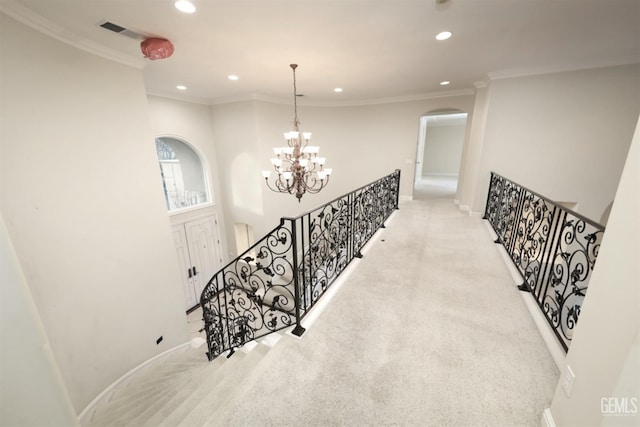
(553, 248)
(275, 283)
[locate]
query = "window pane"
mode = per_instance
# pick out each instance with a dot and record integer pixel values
(183, 177)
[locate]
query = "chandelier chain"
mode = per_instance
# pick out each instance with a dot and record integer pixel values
(296, 123)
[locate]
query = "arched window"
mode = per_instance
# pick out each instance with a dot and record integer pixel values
(183, 176)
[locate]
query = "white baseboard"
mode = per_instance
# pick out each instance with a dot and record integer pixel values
(87, 413)
(405, 198)
(553, 345)
(326, 298)
(466, 209)
(324, 301)
(436, 174)
(547, 419)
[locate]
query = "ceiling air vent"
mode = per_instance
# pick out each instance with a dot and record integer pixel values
(122, 30)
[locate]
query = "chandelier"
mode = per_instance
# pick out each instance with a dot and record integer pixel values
(299, 169)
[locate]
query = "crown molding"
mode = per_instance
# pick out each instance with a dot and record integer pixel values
(180, 98)
(377, 101)
(306, 102)
(407, 98)
(249, 97)
(27, 17)
(525, 72)
(217, 101)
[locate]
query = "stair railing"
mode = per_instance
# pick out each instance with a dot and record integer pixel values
(274, 284)
(553, 248)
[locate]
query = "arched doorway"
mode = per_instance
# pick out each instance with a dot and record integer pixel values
(439, 153)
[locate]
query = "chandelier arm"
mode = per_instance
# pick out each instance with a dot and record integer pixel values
(312, 184)
(306, 142)
(280, 185)
(266, 180)
(313, 168)
(283, 186)
(314, 190)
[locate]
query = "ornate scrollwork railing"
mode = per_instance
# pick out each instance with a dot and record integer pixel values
(275, 283)
(553, 248)
(333, 234)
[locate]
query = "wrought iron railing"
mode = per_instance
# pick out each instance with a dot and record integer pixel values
(275, 283)
(553, 248)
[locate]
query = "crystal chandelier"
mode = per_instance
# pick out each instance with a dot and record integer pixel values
(298, 167)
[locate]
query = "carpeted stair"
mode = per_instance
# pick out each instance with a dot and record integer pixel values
(180, 389)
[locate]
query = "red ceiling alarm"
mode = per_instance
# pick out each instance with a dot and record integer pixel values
(155, 48)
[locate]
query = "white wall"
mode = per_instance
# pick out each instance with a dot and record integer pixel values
(82, 204)
(604, 351)
(564, 135)
(472, 149)
(370, 141)
(236, 141)
(192, 123)
(32, 392)
(361, 144)
(443, 149)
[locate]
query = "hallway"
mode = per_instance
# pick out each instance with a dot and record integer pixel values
(435, 187)
(428, 330)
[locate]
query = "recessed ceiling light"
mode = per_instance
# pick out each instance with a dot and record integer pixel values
(181, 87)
(185, 6)
(338, 90)
(444, 83)
(444, 35)
(232, 77)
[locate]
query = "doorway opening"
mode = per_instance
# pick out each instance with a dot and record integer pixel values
(244, 237)
(439, 154)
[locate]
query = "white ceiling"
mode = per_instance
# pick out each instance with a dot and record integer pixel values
(376, 50)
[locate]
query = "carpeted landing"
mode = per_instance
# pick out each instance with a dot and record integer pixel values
(428, 330)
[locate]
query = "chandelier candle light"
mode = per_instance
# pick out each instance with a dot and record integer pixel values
(298, 166)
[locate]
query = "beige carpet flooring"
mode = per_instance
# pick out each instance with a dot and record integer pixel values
(429, 330)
